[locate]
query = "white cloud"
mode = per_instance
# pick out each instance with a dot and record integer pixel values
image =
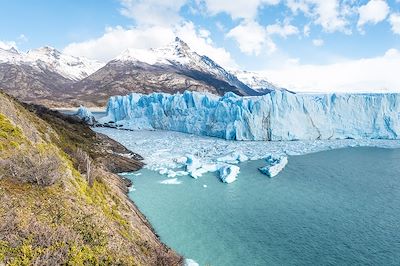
(116, 40)
(236, 9)
(329, 14)
(252, 38)
(282, 30)
(373, 12)
(394, 20)
(361, 75)
(8, 45)
(318, 42)
(152, 12)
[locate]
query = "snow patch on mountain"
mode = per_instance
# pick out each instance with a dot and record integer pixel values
(256, 81)
(49, 59)
(174, 53)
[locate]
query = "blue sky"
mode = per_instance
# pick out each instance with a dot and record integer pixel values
(263, 35)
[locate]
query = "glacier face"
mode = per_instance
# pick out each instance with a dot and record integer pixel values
(280, 115)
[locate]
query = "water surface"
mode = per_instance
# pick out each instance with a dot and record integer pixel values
(334, 207)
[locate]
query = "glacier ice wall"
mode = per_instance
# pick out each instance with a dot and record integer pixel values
(280, 115)
(86, 115)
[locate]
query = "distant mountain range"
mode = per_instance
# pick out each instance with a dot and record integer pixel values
(49, 77)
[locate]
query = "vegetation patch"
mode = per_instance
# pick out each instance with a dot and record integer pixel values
(10, 135)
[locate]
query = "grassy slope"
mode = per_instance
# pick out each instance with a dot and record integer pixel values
(64, 220)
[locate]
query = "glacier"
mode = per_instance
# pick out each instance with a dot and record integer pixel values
(86, 115)
(277, 116)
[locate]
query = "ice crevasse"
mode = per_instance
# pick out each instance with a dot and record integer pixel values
(280, 115)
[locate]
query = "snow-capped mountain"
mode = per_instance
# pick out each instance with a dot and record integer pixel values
(43, 75)
(9, 55)
(256, 81)
(75, 68)
(179, 54)
(173, 68)
(50, 59)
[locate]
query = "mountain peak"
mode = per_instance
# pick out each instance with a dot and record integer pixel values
(180, 47)
(13, 50)
(179, 42)
(176, 51)
(47, 51)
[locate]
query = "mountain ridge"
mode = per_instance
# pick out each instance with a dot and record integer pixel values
(49, 77)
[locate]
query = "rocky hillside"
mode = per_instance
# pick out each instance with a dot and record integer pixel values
(60, 203)
(32, 84)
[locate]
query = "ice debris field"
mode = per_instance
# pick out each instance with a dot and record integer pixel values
(174, 154)
(279, 115)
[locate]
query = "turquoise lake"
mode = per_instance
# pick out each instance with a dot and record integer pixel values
(339, 207)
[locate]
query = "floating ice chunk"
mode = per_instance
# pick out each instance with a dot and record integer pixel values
(163, 171)
(181, 173)
(210, 167)
(190, 262)
(192, 163)
(275, 165)
(204, 186)
(181, 160)
(233, 158)
(172, 181)
(198, 172)
(171, 174)
(129, 174)
(125, 173)
(228, 173)
(204, 168)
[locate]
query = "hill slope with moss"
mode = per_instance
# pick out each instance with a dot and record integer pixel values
(60, 203)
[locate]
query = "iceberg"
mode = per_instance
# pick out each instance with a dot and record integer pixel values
(190, 262)
(279, 115)
(228, 173)
(275, 165)
(86, 115)
(195, 168)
